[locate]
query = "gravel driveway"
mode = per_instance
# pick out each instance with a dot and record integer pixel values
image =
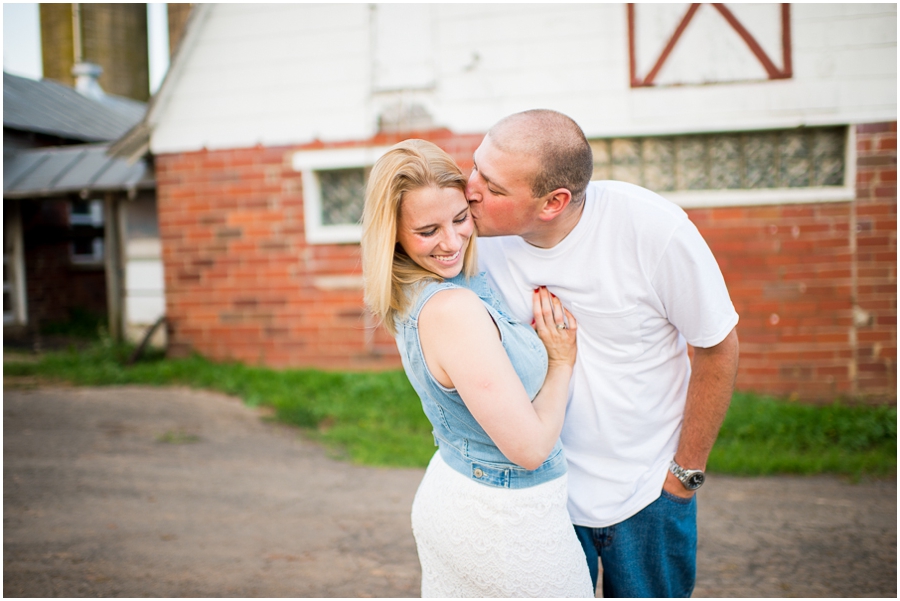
(148, 492)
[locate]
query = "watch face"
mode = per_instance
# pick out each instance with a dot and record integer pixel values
(695, 481)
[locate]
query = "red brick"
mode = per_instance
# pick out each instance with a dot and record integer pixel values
(873, 128)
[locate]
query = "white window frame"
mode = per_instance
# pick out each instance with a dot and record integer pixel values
(93, 218)
(699, 199)
(311, 161)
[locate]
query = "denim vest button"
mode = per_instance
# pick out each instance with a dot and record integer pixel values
(478, 473)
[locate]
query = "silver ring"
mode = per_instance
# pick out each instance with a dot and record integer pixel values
(561, 326)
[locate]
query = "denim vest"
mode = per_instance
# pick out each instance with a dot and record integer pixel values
(462, 442)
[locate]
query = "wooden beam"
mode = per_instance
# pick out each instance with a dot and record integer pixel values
(113, 267)
(692, 9)
(20, 299)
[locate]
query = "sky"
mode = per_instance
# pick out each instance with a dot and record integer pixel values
(22, 41)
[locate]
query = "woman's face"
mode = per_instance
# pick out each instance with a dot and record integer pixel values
(434, 229)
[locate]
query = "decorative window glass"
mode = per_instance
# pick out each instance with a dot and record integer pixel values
(334, 184)
(342, 192)
(688, 167)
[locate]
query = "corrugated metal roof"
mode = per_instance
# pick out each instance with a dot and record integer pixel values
(51, 108)
(71, 169)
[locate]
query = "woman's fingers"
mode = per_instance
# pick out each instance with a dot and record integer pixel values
(547, 307)
(555, 326)
(549, 311)
(559, 318)
(537, 308)
(543, 310)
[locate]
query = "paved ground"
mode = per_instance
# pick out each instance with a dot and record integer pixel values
(137, 492)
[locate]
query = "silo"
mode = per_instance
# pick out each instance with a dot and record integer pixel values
(113, 36)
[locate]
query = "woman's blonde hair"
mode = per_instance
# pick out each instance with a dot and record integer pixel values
(387, 270)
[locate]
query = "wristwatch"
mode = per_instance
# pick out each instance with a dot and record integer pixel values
(691, 479)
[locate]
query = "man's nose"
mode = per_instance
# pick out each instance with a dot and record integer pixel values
(472, 193)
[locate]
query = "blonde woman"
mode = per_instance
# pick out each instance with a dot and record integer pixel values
(490, 516)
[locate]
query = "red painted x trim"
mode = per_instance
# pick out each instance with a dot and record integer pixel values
(773, 72)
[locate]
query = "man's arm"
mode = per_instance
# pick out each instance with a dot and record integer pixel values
(713, 372)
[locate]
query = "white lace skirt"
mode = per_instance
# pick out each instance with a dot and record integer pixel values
(480, 541)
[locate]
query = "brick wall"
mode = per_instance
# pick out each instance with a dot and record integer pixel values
(241, 282)
(875, 249)
(815, 284)
(54, 286)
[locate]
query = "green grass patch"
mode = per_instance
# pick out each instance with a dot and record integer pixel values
(80, 324)
(376, 418)
(762, 435)
(177, 437)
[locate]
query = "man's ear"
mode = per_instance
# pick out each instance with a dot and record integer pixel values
(555, 204)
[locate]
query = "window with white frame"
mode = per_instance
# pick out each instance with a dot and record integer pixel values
(811, 164)
(86, 222)
(334, 184)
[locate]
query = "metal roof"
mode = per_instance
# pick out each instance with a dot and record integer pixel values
(50, 108)
(71, 169)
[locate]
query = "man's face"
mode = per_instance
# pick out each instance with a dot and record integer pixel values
(499, 192)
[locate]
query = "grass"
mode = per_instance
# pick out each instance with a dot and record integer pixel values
(762, 435)
(177, 437)
(80, 324)
(376, 418)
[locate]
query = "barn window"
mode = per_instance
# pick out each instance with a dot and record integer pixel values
(805, 164)
(334, 183)
(86, 224)
(342, 192)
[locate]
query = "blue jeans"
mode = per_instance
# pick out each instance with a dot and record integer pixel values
(651, 554)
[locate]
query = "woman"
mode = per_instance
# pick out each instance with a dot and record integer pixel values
(490, 516)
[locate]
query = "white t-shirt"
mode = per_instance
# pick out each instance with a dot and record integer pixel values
(641, 281)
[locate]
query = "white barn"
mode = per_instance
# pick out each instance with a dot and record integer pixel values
(774, 125)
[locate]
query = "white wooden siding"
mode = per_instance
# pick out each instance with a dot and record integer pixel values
(144, 282)
(293, 73)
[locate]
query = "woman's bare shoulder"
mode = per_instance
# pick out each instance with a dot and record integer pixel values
(451, 306)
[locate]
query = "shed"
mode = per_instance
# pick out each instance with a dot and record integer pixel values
(80, 225)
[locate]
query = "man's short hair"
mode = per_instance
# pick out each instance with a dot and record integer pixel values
(558, 143)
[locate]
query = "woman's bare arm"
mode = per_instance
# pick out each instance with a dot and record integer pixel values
(462, 349)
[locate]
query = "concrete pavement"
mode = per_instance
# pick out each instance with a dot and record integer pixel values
(145, 492)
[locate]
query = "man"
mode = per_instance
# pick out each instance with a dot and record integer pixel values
(642, 284)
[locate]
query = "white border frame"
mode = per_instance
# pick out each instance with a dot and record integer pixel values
(311, 161)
